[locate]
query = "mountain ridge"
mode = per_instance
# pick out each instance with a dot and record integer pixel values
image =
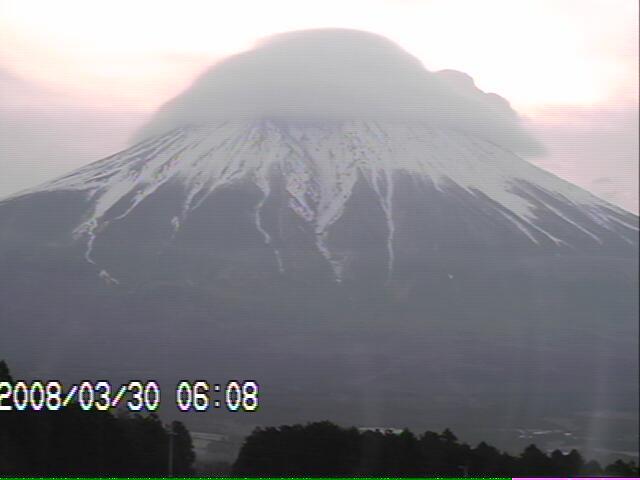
(318, 166)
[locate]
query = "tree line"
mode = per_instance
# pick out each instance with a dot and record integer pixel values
(74, 442)
(325, 449)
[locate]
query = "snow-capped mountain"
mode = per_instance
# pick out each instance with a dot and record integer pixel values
(313, 171)
(401, 269)
(322, 258)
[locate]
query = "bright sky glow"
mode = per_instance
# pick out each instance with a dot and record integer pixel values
(532, 52)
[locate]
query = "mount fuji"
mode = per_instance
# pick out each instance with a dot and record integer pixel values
(372, 269)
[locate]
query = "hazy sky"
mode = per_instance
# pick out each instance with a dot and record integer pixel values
(79, 78)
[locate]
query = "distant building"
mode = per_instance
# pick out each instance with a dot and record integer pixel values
(395, 431)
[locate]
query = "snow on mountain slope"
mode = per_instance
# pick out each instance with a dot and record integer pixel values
(321, 163)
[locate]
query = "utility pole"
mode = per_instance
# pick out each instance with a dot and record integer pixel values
(171, 435)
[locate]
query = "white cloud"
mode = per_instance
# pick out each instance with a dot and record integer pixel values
(331, 74)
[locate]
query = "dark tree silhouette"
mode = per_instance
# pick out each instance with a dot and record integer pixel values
(318, 449)
(534, 462)
(74, 442)
(568, 465)
(487, 459)
(5, 376)
(183, 453)
(620, 468)
(324, 449)
(149, 444)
